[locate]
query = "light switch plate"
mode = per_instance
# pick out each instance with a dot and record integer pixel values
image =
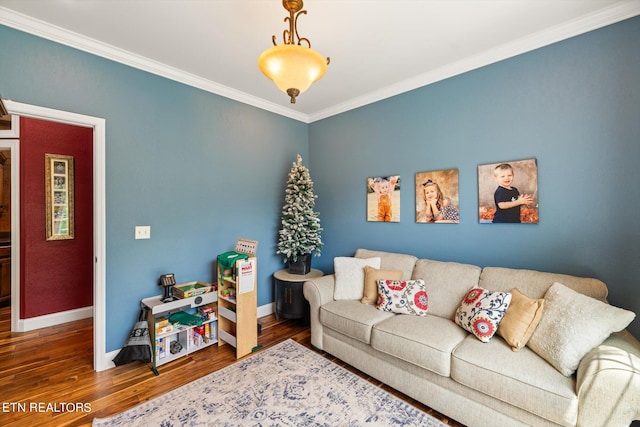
(143, 232)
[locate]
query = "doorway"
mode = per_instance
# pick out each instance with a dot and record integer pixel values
(5, 222)
(8, 133)
(100, 361)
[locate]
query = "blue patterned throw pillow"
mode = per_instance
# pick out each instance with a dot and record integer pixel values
(480, 312)
(403, 297)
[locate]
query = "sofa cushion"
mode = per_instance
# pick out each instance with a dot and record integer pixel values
(520, 320)
(403, 297)
(349, 274)
(371, 277)
(481, 311)
(447, 283)
(424, 341)
(521, 378)
(572, 324)
(391, 261)
(534, 284)
(352, 318)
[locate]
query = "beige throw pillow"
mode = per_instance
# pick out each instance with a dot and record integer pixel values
(371, 277)
(520, 320)
(572, 325)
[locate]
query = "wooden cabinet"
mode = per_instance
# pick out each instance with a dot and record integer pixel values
(171, 339)
(290, 302)
(237, 306)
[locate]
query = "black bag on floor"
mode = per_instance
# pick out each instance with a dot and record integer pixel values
(138, 347)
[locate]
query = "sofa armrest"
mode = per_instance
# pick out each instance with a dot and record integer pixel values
(608, 383)
(318, 292)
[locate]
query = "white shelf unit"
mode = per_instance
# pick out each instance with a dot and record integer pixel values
(186, 335)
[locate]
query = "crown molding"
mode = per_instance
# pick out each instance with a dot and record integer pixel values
(609, 15)
(65, 37)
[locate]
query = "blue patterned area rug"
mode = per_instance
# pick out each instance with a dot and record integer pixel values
(284, 385)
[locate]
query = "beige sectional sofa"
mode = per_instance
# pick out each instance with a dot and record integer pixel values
(433, 360)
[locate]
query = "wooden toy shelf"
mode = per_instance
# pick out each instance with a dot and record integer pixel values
(237, 307)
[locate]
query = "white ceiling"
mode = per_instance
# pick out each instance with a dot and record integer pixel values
(378, 48)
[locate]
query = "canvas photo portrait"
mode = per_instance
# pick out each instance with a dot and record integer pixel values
(508, 192)
(437, 197)
(383, 198)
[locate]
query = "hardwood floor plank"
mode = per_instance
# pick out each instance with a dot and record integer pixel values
(54, 366)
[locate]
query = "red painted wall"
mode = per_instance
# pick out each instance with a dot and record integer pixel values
(55, 275)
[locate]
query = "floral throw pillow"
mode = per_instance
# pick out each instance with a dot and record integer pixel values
(480, 312)
(403, 297)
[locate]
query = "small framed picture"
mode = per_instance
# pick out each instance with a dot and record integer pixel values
(59, 196)
(383, 198)
(508, 192)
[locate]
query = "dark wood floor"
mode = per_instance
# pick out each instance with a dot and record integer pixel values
(45, 373)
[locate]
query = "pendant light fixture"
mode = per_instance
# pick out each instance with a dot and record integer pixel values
(292, 66)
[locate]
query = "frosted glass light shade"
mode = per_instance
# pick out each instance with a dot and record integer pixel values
(292, 67)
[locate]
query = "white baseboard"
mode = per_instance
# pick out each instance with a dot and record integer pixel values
(267, 309)
(25, 325)
(107, 360)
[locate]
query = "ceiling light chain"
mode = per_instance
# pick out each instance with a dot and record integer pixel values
(288, 35)
(292, 66)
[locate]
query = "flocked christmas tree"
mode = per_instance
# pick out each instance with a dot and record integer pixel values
(300, 232)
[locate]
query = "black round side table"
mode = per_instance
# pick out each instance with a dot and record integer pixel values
(290, 302)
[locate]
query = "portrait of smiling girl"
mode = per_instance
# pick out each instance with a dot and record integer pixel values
(433, 204)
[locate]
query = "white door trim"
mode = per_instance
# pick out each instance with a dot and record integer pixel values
(100, 361)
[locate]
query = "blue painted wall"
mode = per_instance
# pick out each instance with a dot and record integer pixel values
(574, 106)
(200, 169)
(171, 150)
